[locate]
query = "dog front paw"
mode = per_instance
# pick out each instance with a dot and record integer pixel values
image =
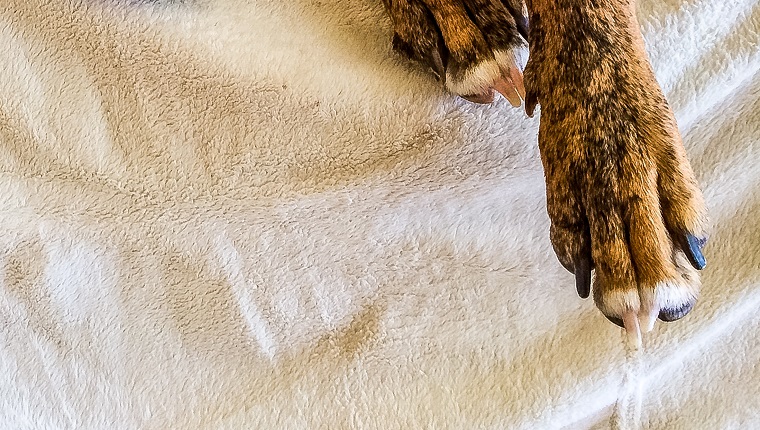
(621, 195)
(469, 44)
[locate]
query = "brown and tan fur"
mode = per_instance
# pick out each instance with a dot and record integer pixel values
(621, 194)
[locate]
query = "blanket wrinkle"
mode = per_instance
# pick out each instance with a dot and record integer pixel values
(239, 214)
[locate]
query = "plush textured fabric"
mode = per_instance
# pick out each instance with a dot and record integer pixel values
(252, 214)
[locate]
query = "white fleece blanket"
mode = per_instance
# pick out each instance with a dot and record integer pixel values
(253, 215)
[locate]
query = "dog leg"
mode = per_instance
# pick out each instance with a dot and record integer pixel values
(621, 195)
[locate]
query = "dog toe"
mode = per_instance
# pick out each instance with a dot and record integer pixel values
(467, 44)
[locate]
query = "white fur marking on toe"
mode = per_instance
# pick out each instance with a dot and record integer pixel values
(476, 80)
(519, 56)
(506, 59)
(617, 303)
(673, 294)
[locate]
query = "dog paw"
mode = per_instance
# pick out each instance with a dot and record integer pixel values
(469, 44)
(621, 195)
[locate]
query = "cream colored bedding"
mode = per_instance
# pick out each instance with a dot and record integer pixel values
(253, 215)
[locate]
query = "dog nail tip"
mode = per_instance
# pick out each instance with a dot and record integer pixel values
(634, 339)
(437, 65)
(508, 90)
(583, 278)
(530, 105)
(632, 329)
(517, 81)
(648, 318)
(694, 252)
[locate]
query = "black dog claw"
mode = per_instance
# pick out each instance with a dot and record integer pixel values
(583, 277)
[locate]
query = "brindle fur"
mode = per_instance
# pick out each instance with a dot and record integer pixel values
(621, 194)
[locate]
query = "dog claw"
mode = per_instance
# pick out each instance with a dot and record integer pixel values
(583, 277)
(517, 79)
(630, 323)
(648, 316)
(692, 247)
(503, 86)
(509, 91)
(531, 101)
(436, 63)
(632, 328)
